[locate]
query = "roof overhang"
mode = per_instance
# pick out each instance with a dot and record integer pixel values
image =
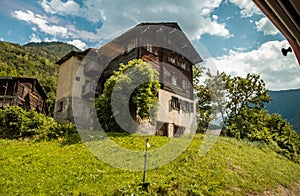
(285, 15)
(163, 35)
(80, 54)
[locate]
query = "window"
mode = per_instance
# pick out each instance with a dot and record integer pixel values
(178, 130)
(184, 105)
(174, 80)
(149, 48)
(191, 108)
(132, 45)
(179, 82)
(187, 67)
(129, 47)
(183, 65)
(171, 59)
(180, 104)
(184, 84)
(175, 103)
(77, 78)
(60, 106)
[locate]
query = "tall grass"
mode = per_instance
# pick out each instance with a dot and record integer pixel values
(231, 168)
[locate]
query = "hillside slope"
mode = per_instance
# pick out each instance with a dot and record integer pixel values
(52, 50)
(286, 103)
(35, 60)
(231, 167)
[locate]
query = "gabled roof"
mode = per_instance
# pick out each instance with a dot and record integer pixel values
(163, 35)
(81, 54)
(166, 24)
(285, 15)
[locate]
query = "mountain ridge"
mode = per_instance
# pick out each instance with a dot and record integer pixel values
(55, 48)
(34, 60)
(286, 103)
(38, 60)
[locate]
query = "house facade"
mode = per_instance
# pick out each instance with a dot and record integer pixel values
(163, 45)
(24, 92)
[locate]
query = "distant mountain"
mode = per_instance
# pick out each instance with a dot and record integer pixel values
(286, 103)
(52, 50)
(36, 60)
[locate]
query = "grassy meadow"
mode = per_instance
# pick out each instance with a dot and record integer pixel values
(231, 167)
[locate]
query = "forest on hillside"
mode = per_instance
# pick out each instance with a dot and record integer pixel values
(36, 60)
(243, 112)
(286, 103)
(251, 164)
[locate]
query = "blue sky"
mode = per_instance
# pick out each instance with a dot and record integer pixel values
(238, 38)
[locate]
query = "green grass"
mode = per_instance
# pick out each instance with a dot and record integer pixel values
(231, 168)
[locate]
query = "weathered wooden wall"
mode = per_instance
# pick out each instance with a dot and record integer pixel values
(16, 92)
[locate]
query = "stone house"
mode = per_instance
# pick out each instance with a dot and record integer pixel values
(163, 45)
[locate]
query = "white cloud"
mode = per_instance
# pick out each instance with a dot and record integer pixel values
(47, 39)
(81, 34)
(1, 39)
(41, 22)
(193, 17)
(57, 6)
(214, 17)
(34, 38)
(91, 9)
(79, 44)
(248, 8)
(49, 25)
(240, 49)
(279, 72)
(264, 25)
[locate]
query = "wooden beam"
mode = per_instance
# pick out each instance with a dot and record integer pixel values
(278, 17)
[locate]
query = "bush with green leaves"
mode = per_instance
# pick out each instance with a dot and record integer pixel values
(142, 101)
(259, 125)
(17, 123)
(243, 111)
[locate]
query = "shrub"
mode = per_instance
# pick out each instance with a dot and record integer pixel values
(271, 129)
(142, 102)
(16, 123)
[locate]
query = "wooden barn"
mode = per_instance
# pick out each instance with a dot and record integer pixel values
(24, 92)
(163, 45)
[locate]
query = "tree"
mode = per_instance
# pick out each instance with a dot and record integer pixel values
(228, 97)
(244, 95)
(140, 80)
(287, 140)
(241, 102)
(211, 97)
(202, 98)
